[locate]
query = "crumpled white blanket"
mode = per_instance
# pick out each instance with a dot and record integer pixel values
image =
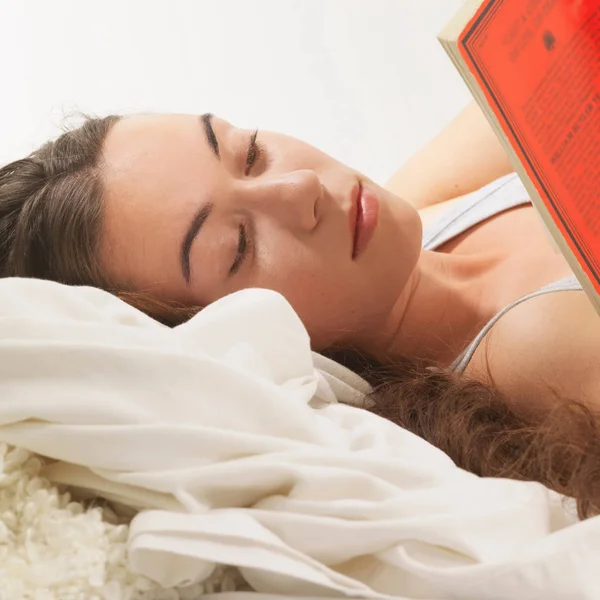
(230, 439)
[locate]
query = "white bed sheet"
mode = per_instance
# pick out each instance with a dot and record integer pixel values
(213, 427)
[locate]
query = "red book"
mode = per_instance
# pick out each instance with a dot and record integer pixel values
(534, 68)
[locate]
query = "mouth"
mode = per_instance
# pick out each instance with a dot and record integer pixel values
(363, 219)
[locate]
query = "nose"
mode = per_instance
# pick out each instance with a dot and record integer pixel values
(291, 198)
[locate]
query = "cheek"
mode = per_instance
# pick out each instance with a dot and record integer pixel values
(328, 307)
(332, 300)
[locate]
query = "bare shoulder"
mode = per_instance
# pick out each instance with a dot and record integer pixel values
(462, 158)
(551, 342)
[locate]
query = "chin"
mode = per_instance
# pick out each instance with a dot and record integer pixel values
(399, 246)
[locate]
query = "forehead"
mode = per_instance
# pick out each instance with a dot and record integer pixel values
(154, 169)
(152, 152)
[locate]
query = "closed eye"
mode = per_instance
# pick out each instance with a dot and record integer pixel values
(242, 250)
(254, 153)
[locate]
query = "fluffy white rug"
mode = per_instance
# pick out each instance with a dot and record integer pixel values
(54, 549)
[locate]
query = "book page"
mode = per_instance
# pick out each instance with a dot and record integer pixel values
(538, 63)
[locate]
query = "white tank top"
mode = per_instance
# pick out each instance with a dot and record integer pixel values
(495, 198)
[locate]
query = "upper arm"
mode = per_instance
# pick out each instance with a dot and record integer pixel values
(464, 157)
(545, 348)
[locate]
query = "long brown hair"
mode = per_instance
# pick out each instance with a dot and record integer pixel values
(50, 223)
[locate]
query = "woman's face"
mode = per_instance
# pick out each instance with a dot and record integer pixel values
(196, 208)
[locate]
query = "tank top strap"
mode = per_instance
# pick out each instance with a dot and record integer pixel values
(567, 284)
(500, 195)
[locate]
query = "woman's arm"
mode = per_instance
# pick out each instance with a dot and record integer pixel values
(462, 158)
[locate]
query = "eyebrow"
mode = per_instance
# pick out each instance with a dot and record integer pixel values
(193, 230)
(205, 210)
(211, 138)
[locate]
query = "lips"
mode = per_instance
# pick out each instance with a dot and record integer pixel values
(364, 214)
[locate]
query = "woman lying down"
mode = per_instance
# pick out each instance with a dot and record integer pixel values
(443, 289)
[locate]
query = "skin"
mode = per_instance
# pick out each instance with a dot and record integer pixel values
(392, 300)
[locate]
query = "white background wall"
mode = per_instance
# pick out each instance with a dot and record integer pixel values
(365, 80)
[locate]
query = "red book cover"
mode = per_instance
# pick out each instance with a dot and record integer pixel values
(538, 64)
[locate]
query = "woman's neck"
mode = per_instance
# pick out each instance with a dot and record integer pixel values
(445, 304)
